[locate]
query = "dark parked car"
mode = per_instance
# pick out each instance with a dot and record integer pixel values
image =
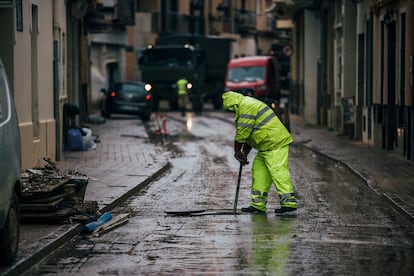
(129, 97)
(10, 181)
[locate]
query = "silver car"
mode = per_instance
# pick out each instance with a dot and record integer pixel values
(10, 166)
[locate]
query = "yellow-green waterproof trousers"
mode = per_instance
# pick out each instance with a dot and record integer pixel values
(272, 167)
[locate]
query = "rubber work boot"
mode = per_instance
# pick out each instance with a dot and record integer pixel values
(287, 204)
(251, 209)
(284, 209)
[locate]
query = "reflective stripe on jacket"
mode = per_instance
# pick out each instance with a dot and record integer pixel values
(182, 86)
(256, 123)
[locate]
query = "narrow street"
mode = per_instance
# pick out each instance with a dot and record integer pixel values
(342, 227)
(95, 91)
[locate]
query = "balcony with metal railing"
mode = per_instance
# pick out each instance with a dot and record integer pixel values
(244, 21)
(220, 24)
(239, 21)
(172, 22)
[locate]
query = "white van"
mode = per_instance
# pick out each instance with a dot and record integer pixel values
(10, 166)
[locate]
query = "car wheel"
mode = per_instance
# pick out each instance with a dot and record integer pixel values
(145, 117)
(9, 235)
(174, 105)
(106, 114)
(155, 103)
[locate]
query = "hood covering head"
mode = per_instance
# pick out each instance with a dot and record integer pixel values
(232, 100)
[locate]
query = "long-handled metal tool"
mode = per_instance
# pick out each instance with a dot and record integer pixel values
(237, 190)
(203, 212)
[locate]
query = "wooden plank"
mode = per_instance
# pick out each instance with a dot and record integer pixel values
(113, 223)
(109, 228)
(48, 199)
(40, 206)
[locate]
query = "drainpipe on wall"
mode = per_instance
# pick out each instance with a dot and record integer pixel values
(56, 96)
(411, 116)
(56, 109)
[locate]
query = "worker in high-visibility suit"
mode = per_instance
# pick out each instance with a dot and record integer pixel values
(182, 91)
(259, 127)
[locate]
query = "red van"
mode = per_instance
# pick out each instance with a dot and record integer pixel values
(256, 76)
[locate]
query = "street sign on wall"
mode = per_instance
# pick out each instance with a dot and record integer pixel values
(287, 50)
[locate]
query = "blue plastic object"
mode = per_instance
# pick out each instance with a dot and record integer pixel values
(74, 140)
(89, 227)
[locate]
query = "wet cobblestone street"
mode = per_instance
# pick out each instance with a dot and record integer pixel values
(341, 228)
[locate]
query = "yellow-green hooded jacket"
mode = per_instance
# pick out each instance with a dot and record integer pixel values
(256, 123)
(182, 86)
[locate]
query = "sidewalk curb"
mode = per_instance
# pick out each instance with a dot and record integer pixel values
(136, 189)
(25, 264)
(394, 202)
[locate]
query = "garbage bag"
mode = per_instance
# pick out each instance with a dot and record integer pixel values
(74, 140)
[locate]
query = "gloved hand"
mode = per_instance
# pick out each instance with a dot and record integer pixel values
(246, 149)
(241, 157)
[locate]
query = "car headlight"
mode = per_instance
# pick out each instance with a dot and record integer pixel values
(189, 85)
(148, 87)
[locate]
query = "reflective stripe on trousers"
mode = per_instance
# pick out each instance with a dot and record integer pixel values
(288, 200)
(259, 198)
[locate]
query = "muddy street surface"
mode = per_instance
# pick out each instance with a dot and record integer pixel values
(341, 228)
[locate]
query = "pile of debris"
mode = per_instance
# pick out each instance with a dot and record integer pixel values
(51, 196)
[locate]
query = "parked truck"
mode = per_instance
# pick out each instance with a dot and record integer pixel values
(201, 59)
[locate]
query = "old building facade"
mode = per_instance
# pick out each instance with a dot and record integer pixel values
(46, 51)
(33, 47)
(353, 69)
(252, 24)
(350, 60)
